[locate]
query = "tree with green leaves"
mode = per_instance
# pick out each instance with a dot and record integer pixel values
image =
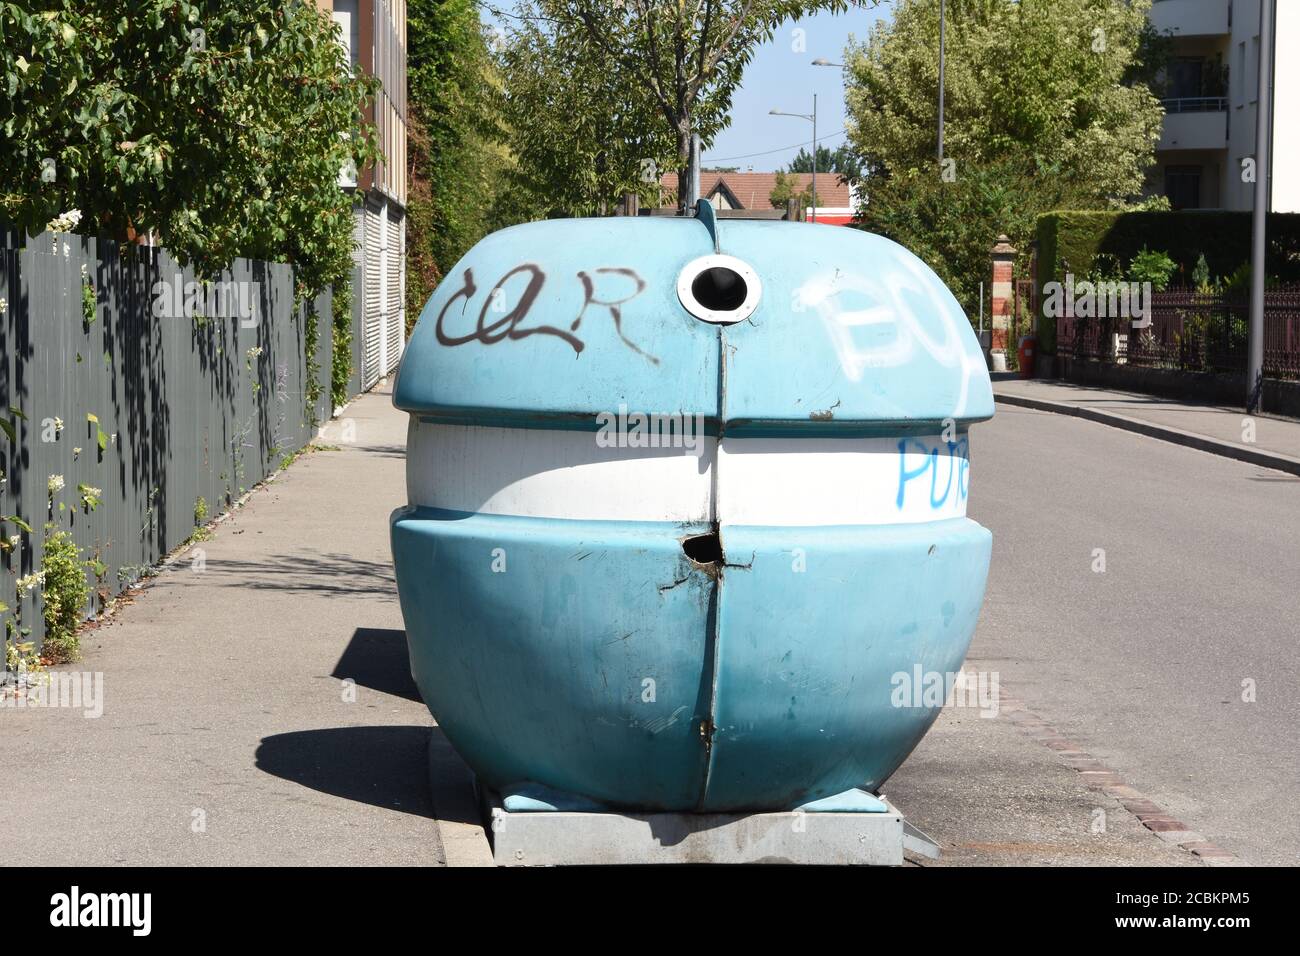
(1047, 103)
(582, 132)
(456, 134)
(641, 76)
(217, 126)
(842, 160)
(786, 189)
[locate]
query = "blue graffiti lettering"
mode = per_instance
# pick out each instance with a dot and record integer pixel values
(958, 455)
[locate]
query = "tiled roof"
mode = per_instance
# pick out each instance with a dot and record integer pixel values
(753, 190)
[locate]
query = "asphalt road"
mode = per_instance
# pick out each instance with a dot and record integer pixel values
(1146, 664)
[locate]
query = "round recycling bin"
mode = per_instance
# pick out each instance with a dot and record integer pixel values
(687, 508)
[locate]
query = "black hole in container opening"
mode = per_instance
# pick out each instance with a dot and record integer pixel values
(704, 548)
(720, 289)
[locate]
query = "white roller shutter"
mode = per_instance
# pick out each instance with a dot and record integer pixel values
(395, 313)
(373, 307)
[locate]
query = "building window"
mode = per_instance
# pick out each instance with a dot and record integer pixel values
(1185, 77)
(1183, 186)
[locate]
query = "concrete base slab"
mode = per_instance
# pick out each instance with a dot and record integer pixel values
(574, 838)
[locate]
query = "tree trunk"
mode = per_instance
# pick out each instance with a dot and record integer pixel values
(684, 171)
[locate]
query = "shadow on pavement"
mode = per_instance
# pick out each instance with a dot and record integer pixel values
(376, 658)
(308, 573)
(382, 766)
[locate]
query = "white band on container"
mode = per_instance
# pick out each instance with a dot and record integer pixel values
(784, 482)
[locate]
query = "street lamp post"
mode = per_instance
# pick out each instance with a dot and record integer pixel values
(1259, 215)
(813, 119)
(822, 61)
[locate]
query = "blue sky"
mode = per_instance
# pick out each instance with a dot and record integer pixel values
(780, 78)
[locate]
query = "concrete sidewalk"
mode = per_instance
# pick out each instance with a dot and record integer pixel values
(230, 732)
(1217, 430)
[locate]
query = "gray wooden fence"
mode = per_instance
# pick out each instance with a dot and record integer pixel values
(157, 401)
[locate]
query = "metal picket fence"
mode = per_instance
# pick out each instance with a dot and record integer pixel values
(1194, 331)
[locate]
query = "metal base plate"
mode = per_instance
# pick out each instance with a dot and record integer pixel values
(605, 837)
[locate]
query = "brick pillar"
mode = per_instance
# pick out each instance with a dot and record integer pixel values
(1004, 257)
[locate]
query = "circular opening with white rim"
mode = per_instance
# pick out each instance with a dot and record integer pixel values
(719, 289)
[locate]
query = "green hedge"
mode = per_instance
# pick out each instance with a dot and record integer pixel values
(1071, 241)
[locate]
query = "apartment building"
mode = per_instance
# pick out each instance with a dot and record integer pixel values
(1210, 103)
(374, 33)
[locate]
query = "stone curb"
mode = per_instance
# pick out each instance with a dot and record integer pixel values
(1177, 436)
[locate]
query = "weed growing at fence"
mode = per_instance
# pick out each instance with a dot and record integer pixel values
(21, 658)
(65, 592)
(19, 653)
(100, 570)
(200, 534)
(307, 449)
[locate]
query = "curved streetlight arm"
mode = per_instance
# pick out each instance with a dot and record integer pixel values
(812, 119)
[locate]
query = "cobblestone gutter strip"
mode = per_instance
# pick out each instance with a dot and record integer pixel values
(1097, 776)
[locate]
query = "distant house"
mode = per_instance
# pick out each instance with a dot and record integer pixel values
(835, 199)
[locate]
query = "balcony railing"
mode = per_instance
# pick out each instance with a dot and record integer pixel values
(1195, 104)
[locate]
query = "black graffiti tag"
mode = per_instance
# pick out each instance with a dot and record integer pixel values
(508, 325)
(615, 313)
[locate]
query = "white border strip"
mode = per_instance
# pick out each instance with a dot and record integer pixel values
(784, 482)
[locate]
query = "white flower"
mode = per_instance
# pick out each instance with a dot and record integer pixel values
(4, 306)
(58, 425)
(55, 484)
(26, 584)
(65, 222)
(15, 541)
(254, 352)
